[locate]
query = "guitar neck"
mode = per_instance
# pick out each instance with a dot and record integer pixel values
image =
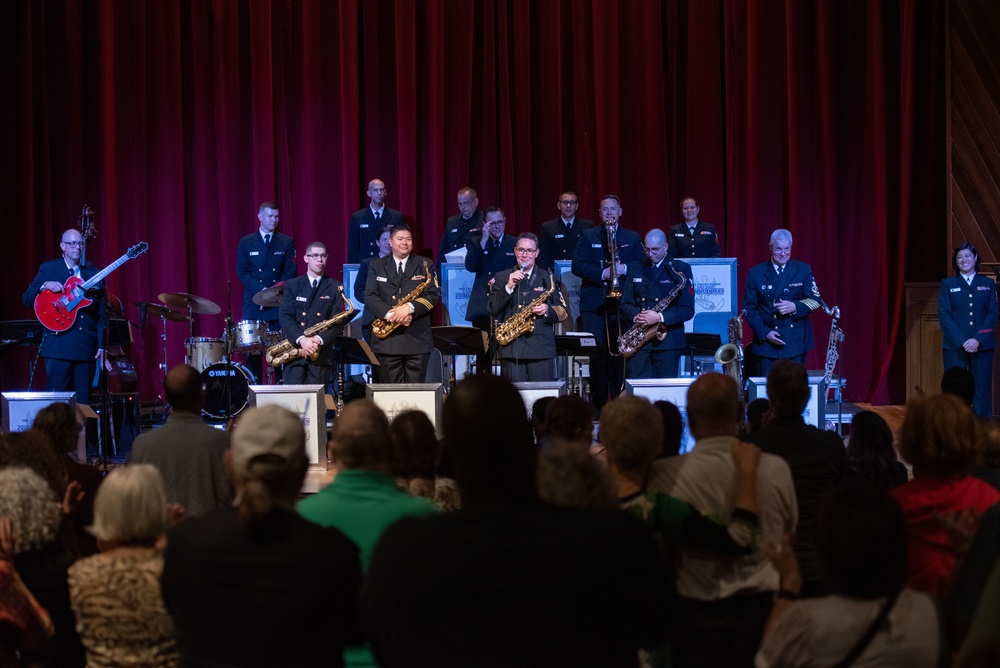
(99, 276)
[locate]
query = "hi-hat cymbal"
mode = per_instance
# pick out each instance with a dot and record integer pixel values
(183, 300)
(270, 296)
(161, 311)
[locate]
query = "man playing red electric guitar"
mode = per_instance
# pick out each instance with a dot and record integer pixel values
(69, 355)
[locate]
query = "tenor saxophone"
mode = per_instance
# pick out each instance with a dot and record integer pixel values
(382, 327)
(639, 335)
(285, 351)
(730, 354)
(522, 322)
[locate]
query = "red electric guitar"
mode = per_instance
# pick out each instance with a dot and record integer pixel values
(57, 310)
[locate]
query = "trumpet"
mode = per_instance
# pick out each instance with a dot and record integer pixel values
(611, 223)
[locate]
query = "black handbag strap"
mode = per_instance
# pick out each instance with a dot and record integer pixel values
(866, 639)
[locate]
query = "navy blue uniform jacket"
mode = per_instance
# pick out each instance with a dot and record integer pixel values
(81, 341)
(764, 287)
(968, 312)
(644, 285)
(260, 267)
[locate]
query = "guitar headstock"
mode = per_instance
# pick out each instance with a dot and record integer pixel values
(137, 250)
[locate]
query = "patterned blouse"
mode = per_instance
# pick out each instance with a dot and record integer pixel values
(119, 610)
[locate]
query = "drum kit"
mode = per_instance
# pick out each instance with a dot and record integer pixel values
(226, 382)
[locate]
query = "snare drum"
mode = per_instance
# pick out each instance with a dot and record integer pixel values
(227, 390)
(202, 353)
(250, 335)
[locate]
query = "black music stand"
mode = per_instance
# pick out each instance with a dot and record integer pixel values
(578, 343)
(15, 333)
(453, 341)
(701, 344)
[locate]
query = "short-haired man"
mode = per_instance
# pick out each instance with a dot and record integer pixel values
(724, 600)
(492, 252)
(403, 354)
(366, 224)
(599, 311)
(464, 227)
(187, 452)
(363, 499)
(693, 238)
(308, 300)
(71, 355)
(779, 297)
(559, 236)
(646, 284)
(530, 356)
(817, 459)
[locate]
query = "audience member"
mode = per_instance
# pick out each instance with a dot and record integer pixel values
(959, 382)
(508, 577)
(632, 440)
(988, 469)
(868, 619)
(972, 573)
(758, 415)
(816, 458)
(870, 453)
(569, 420)
(31, 449)
(724, 600)
(573, 478)
(254, 584)
(58, 423)
(26, 624)
(673, 428)
(116, 594)
(40, 559)
(941, 438)
(537, 418)
(981, 647)
(414, 454)
(187, 452)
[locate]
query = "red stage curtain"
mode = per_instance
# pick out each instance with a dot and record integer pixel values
(174, 120)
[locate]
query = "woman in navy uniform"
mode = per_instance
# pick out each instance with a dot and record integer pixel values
(967, 311)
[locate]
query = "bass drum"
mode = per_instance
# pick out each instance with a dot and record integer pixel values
(227, 390)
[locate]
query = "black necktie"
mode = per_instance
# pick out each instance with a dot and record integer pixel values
(378, 216)
(569, 226)
(691, 231)
(781, 268)
(315, 283)
(267, 239)
(400, 270)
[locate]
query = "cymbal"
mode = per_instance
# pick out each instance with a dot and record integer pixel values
(159, 310)
(183, 300)
(270, 296)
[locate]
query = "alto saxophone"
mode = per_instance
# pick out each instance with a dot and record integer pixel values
(382, 327)
(285, 351)
(639, 335)
(522, 322)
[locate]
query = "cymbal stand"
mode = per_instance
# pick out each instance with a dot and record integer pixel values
(163, 365)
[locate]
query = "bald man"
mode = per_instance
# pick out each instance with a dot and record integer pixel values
(366, 224)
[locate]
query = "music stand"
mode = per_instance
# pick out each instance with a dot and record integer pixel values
(453, 341)
(577, 343)
(15, 333)
(703, 344)
(348, 350)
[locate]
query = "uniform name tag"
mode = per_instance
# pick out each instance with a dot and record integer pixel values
(560, 236)
(364, 225)
(382, 278)
(279, 252)
(596, 245)
(637, 280)
(955, 290)
(679, 234)
(454, 229)
(300, 299)
(255, 252)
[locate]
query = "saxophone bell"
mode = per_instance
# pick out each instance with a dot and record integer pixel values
(727, 354)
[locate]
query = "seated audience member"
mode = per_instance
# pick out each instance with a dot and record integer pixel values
(632, 439)
(972, 572)
(26, 624)
(988, 469)
(758, 415)
(574, 478)
(869, 618)
(723, 600)
(116, 594)
(673, 428)
(414, 454)
(941, 438)
(816, 458)
(59, 424)
(187, 452)
(538, 418)
(569, 420)
(255, 584)
(40, 559)
(960, 383)
(870, 453)
(508, 580)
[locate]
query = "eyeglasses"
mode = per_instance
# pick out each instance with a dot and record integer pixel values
(79, 244)
(525, 251)
(568, 201)
(314, 256)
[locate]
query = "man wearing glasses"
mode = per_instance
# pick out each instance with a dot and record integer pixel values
(308, 300)
(531, 355)
(70, 355)
(647, 283)
(559, 236)
(780, 294)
